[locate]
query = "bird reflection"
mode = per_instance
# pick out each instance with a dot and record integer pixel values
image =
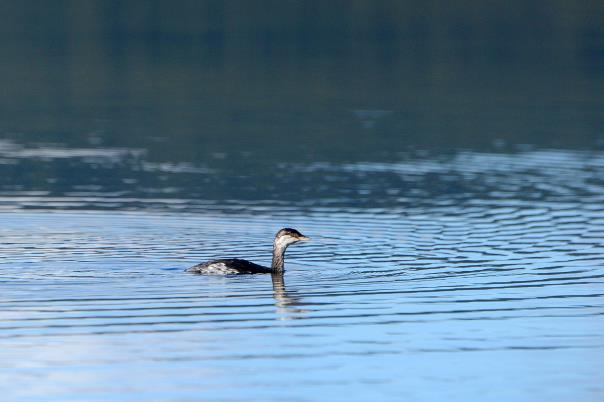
(285, 303)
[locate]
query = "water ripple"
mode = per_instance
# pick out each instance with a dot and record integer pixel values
(510, 260)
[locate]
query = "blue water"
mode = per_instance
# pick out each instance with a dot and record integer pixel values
(446, 159)
(491, 295)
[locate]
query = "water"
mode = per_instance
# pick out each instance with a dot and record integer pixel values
(449, 170)
(456, 295)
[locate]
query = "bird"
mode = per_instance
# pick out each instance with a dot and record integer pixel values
(233, 266)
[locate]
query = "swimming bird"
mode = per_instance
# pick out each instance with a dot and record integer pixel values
(229, 266)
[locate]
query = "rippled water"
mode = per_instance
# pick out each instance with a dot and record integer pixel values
(465, 276)
(447, 160)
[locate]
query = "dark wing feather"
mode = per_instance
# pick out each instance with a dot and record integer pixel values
(240, 266)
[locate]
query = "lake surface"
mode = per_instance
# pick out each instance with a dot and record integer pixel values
(447, 162)
(458, 294)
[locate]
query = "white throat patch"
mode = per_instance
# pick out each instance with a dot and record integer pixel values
(284, 241)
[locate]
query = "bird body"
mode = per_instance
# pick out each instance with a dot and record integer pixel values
(229, 266)
(233, 266)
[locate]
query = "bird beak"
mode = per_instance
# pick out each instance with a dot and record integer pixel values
(304, 238)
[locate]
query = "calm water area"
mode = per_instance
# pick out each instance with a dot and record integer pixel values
(446, 161)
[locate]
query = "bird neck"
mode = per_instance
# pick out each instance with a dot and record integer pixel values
(278, 263)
